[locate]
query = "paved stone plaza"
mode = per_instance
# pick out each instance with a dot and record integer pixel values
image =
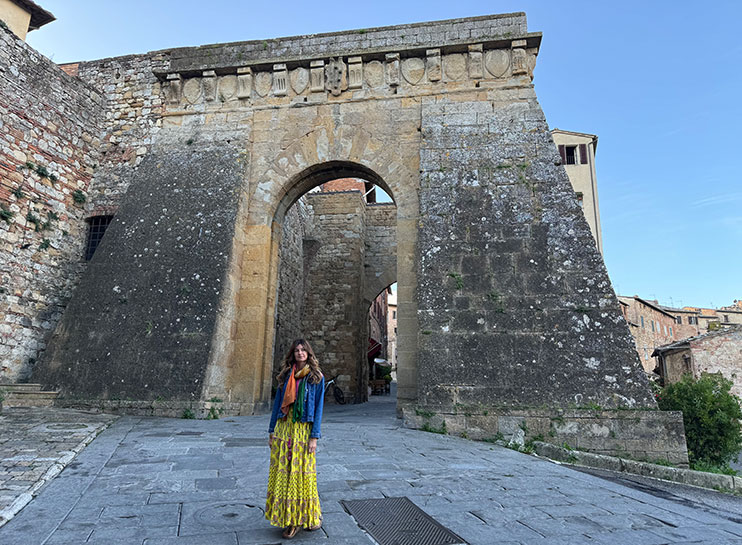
(35, 445)
(164, 481)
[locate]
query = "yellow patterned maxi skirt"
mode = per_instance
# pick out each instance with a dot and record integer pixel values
(292, 479)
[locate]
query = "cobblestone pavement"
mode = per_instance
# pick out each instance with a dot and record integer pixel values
(35, 445)
(156, 481)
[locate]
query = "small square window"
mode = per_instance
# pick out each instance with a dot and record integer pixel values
(570, 155)
(98, 226)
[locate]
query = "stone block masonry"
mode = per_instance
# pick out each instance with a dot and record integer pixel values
(50, 126)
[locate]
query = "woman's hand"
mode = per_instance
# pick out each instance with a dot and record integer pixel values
(312, 447)
(270, 440)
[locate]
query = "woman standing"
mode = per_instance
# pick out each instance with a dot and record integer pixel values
(293, 500)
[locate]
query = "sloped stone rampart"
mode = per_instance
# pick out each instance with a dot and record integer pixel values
(144, 324)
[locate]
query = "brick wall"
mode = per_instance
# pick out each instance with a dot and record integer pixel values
(50, 124)
(650, 329)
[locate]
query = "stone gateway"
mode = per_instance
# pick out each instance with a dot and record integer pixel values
(506, 317)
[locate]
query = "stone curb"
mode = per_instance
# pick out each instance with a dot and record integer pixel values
(56, 468)
(722, 483)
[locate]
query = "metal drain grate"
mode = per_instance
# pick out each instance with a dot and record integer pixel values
(398, 521)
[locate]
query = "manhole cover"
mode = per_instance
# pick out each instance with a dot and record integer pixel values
(231, 515)
(63, 426)
(398, 521)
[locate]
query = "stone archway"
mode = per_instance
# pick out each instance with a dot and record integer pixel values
(256, 299)
(504, 301)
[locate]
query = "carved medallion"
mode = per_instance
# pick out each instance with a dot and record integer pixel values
(227, 87)
(299, 80)
(454, 66)
(263, 83)
(374, 73)
(192, 90)
(413, 70)
(497, 62)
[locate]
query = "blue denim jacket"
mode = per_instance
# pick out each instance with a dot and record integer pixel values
(314, 401)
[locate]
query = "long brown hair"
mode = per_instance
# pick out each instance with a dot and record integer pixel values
(315, 373)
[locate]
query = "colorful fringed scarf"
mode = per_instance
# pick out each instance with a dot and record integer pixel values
(294, 394)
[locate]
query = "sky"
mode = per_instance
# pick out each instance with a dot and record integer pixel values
(659, 82)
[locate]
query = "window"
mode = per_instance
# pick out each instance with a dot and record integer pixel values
(570, 153)
(98, 226)
(646, 353)
(580, 198)
(693, 320)
(679, 320)
(726, 317)
(670, 331)
(394, 314)
(652, 326)
(641, 318)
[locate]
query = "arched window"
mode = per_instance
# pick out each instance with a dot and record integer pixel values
(98, 226)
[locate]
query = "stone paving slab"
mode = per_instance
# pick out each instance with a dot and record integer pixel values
(36, 443)
(156, 481)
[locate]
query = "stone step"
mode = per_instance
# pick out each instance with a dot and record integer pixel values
(29, 395)
(21, 387)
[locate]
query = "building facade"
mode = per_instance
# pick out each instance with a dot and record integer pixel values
(577, 151)
(650, 325)
(718, 351)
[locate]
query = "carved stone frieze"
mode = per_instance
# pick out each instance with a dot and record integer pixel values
(336, 75)
(299, 78)
(413, 70)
